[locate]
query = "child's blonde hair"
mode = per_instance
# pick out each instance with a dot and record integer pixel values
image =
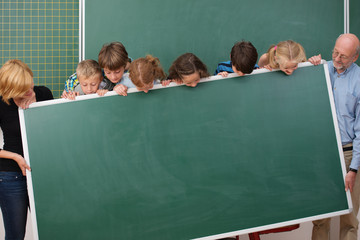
(113, 56)
(88, 68)
(16, 78)
(144, 71)
(285, 51)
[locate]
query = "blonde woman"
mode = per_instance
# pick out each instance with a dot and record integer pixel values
(16, 90)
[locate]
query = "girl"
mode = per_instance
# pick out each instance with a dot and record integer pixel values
(16, 90)
(284, 56)
(143, 74)
(187, 69)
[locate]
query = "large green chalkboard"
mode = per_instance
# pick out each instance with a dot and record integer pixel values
(354, 8)
(209, 28)
(182, 163)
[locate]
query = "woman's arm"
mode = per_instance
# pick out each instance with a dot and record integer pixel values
(17, 158)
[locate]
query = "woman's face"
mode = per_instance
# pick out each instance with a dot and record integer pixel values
(30, 92)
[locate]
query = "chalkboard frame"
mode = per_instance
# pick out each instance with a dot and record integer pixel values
(214, 78)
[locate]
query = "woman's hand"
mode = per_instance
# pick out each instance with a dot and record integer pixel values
(24, 102)
(17, 158)
(22, 164)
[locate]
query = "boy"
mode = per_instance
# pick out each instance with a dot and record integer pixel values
(243, 57)
(113, 59)
(89, 76)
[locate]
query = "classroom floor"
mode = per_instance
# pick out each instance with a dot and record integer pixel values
(303, 233)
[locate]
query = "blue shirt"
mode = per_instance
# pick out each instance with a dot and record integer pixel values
(346, 91)
(125, 80)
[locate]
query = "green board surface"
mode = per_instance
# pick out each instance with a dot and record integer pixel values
(209, 28)
(184, 163)
(354, 8)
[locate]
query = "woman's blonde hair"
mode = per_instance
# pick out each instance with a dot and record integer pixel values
(285, 51)
(144, 71)
(16, 79)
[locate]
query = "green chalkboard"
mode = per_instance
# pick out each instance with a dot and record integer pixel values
(183, 163)
(354, 8)
(209, 28)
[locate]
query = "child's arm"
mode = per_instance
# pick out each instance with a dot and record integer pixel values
(263, 61)
(121, 89)
(315, 60)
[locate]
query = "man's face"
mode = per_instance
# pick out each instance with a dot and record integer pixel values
(344, 54)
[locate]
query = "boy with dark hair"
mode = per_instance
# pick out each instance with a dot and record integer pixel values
(243, 57)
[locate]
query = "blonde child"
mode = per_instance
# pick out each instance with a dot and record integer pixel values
(89, 76)
(144, 73)
(187, 69)
(113, 59)
(285, 55)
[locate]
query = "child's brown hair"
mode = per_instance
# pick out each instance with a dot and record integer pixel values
(187, 64)
(113, 56)
(144, 71)
(243, 56)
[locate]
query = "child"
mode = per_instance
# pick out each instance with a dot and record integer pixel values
(285, 56)
(113, 59)
(243, 58)
(187, 69)
(89, 76)
(144, 73)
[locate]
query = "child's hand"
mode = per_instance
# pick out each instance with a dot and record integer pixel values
(223, 74)
(121, 89)
(101, 92)
(165, 82)
(268, 67)
(315, 60)
(70, 95)
(63, 94)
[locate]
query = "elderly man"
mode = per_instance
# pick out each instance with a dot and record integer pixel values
(345, 81)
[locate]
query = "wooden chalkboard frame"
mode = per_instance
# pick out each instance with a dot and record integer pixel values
(210, 79)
